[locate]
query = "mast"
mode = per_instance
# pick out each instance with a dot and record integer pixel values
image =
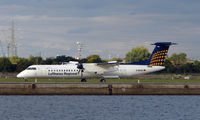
(12, 48)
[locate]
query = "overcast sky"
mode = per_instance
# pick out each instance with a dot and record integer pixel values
(105, 27)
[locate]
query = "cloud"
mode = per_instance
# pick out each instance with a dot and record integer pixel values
(13, 7)
(112, 33)
(106, 27)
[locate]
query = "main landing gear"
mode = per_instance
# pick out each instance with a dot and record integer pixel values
(83, 80)
(102, 80)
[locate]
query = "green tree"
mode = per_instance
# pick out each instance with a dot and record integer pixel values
(186, 68)
(196, 66)
(63, 58)
(94, 59)
(84, 60)
(23, 64)
(49, 61)
(14, 59)
(35, 60)
(169, 67)
(178, 59)
(137, 54)
(116, 59)
(5, 65)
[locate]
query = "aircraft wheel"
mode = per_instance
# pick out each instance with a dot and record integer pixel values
(102, 80)
(83, 80)
(25, 80)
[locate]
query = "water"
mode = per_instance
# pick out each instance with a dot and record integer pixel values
(99, 107)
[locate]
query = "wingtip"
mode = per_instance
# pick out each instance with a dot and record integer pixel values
(164, 43)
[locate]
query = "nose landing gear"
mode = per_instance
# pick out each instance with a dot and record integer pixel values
(25, 80)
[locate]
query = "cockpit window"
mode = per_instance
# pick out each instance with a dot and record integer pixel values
(31, 68)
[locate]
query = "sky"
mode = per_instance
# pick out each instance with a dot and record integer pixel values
(110, 28)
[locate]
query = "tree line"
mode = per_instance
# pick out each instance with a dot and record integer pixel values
(176, 63)
(17, 64)
(180, 64)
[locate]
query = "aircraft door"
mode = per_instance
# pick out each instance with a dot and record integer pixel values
(122, 72)
(41, 72)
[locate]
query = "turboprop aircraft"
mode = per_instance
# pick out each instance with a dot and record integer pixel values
(74, 69)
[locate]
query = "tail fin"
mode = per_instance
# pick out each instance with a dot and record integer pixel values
(159, 53)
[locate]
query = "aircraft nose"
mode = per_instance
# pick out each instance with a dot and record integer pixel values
(20, 75)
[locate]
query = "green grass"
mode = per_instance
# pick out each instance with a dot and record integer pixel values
(97, 80)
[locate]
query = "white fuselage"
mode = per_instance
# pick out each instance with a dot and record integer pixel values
(91, 70)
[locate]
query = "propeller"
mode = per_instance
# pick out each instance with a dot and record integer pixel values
(81, 68)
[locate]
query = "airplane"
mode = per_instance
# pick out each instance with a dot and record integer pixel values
(114, 70)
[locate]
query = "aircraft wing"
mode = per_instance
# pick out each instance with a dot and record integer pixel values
(101, 67)
(107, 65)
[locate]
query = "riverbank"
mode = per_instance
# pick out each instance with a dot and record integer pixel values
(62, 88)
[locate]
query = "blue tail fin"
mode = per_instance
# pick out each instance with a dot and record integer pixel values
(159, 53)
